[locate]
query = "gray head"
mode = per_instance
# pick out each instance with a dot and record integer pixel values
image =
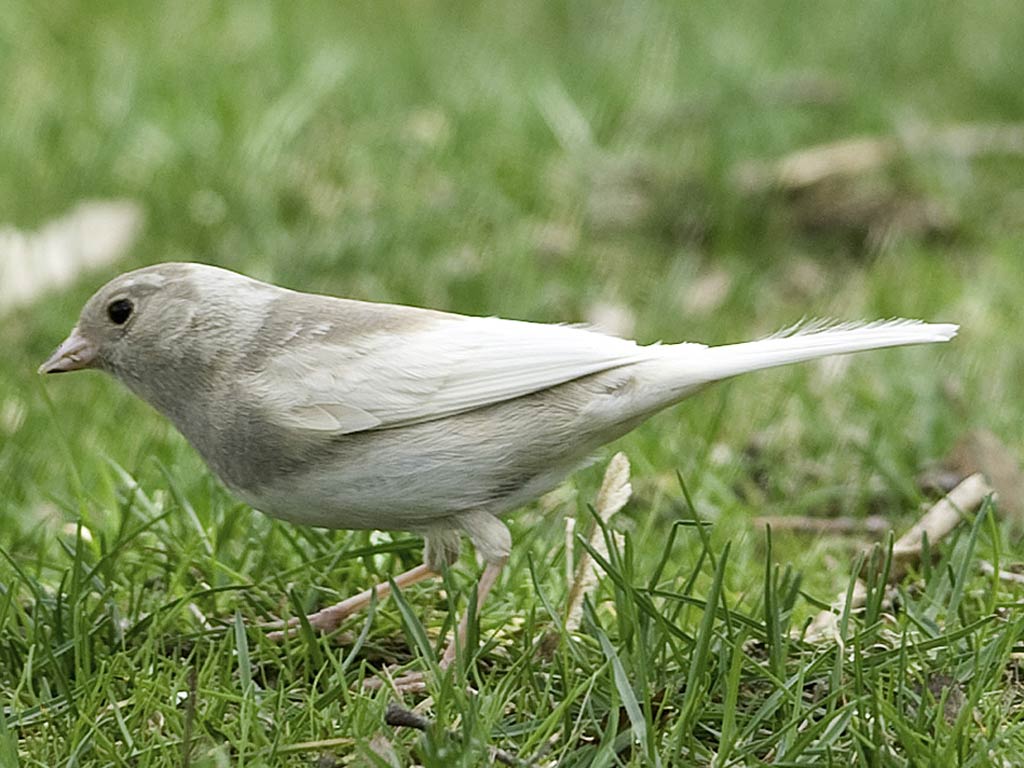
(143, 321)
(178, 336)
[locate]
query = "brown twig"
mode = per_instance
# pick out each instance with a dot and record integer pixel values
(835, 525)
(400, 717)
(942, 518)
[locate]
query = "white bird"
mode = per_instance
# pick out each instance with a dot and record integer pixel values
(349, 414)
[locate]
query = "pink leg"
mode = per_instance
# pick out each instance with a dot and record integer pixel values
(483, 588)
(328, 619)
(417, 680)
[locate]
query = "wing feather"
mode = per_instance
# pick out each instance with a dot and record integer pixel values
(448, 366)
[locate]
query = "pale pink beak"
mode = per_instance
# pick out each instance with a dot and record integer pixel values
(73, 354)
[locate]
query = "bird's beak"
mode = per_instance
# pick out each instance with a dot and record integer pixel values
(75, 353)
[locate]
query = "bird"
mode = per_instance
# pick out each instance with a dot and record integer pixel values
(349, 414)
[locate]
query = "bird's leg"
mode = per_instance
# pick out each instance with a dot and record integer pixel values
(483, 588)
(493, 542)
(328, 619)
(417, 681)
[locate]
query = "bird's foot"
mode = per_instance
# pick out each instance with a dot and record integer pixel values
(325, 621)
(415, 682)
(330, 618)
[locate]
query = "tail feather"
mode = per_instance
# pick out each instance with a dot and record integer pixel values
(811, 341)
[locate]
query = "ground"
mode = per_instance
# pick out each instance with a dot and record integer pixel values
(557, 161)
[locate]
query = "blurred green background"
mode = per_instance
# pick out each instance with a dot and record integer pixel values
(560, 161)
(542, 161)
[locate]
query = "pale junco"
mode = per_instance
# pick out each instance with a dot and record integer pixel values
(348, 414)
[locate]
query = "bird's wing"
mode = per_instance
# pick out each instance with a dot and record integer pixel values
(448, 366)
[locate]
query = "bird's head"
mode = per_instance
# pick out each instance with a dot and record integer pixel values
(150, 322)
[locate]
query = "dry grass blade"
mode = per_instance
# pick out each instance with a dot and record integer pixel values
(615, 492)
(1010, 577)
(939, 521)
(813, 165)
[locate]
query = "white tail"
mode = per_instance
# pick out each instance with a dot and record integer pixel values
(812, 341)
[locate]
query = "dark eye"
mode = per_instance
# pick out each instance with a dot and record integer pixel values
(119, 311)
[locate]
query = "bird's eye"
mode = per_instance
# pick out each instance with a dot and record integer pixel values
(119, 311)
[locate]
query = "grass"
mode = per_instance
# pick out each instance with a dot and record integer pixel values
(542, 161)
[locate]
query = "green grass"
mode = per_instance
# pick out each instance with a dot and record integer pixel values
(531, 160)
